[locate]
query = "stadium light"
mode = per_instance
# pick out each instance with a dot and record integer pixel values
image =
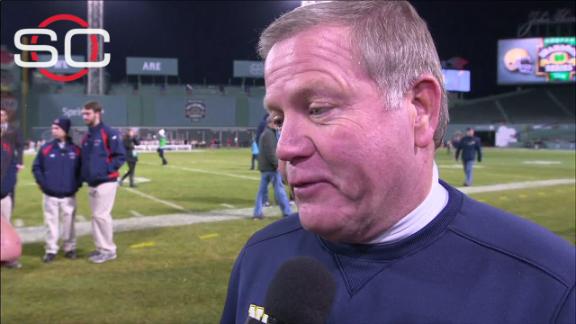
(95, 84)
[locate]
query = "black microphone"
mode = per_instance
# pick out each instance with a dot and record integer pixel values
(301, 292)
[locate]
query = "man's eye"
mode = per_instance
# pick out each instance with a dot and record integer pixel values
(278, 121)
(315, 111)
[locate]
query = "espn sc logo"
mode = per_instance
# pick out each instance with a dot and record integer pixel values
(33, 47)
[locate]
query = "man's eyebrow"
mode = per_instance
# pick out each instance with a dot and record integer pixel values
(316, 87)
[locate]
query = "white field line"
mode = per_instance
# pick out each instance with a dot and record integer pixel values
(38, 233)
(164, 202)
(209, 172)
(517, 185)
(227, 205)
(135, 213)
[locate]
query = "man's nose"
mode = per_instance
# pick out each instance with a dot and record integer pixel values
(295, 142)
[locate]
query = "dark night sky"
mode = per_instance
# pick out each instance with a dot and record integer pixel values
(207, 36)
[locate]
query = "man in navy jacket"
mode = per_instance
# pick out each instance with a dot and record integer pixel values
(470, 146)
(10, 164)
(102, 156)
(57, 172)
(8, 171)
(356, 88)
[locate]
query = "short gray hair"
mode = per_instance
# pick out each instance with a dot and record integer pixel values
(395, 45)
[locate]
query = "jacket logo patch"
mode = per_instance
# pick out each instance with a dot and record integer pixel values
(257, 313)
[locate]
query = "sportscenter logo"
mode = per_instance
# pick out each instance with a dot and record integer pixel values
(42, 30)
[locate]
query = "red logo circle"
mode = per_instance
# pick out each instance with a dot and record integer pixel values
(93, 47)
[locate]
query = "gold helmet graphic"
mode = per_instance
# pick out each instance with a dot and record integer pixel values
(518, 59)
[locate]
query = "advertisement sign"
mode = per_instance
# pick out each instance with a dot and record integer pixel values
(57, 105)
(536, 60)
(151, 66)
(248, 69)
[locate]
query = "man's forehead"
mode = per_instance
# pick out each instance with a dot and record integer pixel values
(311, 40)
(316, 45)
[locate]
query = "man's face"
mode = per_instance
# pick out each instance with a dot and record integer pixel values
(3, 116)
(347, 155)
(470, 132)
(57, 132)
(90, 117)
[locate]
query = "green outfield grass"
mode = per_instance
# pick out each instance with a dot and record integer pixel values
(179, 275)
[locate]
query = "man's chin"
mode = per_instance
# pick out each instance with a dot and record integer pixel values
(321, 221)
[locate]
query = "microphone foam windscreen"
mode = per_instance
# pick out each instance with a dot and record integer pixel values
(301, 292)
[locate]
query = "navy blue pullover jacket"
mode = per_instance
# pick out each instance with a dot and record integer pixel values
(472, 264)
(469, 145)
(57, 170)
(8, 169)
(102, 155)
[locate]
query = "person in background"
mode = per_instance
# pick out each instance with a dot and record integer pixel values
(268, 166)
(12, 137)
(130, 141)
(357, 91)
(454, 141)
(9, 166)
(57, 172)
(255, 152)
(471, 149)
(261, 127)
(162, 141)
(102, 156)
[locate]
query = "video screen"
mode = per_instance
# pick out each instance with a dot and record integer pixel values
(536, 60)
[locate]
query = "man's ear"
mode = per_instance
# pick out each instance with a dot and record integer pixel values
(425, 98)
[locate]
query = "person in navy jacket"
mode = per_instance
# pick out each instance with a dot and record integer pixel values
(469, 145)
(10, 164)
(102, 156)
(357, 91)
(57, 172)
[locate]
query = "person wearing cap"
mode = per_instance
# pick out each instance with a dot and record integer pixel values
(57, 168)
(469, 145)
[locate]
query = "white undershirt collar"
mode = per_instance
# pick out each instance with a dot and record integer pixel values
(421, 216)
